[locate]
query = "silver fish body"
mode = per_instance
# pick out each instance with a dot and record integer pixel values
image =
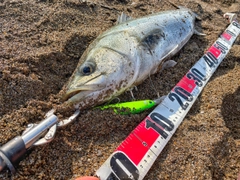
(126, 54)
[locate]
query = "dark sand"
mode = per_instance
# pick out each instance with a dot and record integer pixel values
(40, 45)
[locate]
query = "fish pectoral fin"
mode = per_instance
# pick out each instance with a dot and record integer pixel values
(199, 33)
(123, 18)
(170, 53)
(168, 64)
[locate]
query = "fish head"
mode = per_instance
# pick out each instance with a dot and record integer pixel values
(98, 77)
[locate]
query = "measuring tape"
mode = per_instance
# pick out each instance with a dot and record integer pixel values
(136, 154)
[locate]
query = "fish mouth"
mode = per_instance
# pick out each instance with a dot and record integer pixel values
(78, 93)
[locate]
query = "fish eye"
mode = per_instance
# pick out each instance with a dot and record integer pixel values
(87, 68)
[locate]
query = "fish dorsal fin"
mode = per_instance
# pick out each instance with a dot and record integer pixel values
(123, 18)
(184, 8)
(195, 14)
(151, 40)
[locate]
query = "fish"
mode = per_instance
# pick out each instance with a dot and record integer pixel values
(125, 55)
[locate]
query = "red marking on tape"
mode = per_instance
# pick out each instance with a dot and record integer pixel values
(187, 84)
(226, 36)
(216, 52)
(149, 136)
(137, 144)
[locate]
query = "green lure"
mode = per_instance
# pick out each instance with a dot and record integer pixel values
(133, 107)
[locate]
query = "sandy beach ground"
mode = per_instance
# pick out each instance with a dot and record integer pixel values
(41, 42)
